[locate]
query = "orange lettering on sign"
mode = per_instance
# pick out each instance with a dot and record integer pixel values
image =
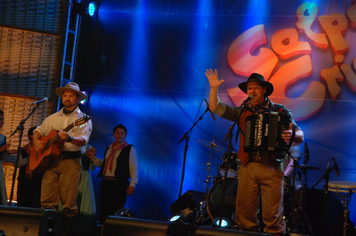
(311, 101)
(338, 59)
(350, 76)
(303, 107)
(332, 77)
(240, 57)
(307, 14)
(335, 26)
(351, 14)
(286, 44)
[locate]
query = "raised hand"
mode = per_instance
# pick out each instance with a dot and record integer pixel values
(213, 78)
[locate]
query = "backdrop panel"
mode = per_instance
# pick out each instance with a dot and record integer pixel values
(143, 64)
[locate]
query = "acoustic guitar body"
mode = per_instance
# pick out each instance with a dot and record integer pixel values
(40, 161)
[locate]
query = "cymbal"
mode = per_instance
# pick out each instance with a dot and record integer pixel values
(212, 145)
(303, 167)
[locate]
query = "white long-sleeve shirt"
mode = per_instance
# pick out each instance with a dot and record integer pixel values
(132, 165)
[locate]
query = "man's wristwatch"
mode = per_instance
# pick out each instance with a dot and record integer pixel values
(70, 138)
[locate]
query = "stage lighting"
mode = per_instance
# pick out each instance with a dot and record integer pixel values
(85, 100)
(225, 223)
(177, 217)
(91, 8)
(85, 7)
(124, 212)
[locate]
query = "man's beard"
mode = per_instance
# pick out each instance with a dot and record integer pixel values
(68, 104)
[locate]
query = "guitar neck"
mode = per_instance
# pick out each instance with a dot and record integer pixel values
(56, 137)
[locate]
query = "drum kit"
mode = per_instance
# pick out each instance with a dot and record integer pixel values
(217, 201)
(221, 197)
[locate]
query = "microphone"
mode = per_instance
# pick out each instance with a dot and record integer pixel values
(40, 101)
(336, 167)
(211, 113)
(246, 100)
(229, 133)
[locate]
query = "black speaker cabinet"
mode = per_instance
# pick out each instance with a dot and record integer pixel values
(29, 221)
(117, 226)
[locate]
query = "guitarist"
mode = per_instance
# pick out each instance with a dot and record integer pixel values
(60, 181)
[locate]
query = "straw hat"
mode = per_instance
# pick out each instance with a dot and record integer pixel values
(72, 87)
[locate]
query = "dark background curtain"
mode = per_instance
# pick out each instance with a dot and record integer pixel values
(142, 64)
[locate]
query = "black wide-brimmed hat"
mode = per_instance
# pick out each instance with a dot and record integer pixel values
(254, 77)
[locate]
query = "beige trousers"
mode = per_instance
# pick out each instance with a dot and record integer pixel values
(267, 178)
(61, 183)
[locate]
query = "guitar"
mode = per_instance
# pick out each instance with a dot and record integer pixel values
(41, 160)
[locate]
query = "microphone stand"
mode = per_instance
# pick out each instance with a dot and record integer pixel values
(20, 128)
(186, 138)
(325, 176)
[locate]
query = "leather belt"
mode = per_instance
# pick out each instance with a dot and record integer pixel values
(109, 177)
(70, 155)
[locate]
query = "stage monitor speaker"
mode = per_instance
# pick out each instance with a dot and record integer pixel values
(116, 226)
(189, 200)
(29, 221)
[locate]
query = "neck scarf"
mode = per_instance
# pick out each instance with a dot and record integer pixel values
(67, 112)
(109, 161)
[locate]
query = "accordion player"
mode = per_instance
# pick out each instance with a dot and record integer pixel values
(263, 134)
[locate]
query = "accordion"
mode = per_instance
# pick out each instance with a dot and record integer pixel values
(263, 134)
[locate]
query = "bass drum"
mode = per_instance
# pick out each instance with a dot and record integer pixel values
(215, 197)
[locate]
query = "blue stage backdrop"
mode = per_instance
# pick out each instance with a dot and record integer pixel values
(143, 62)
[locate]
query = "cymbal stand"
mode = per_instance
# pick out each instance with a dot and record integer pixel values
(291, 200)
(208, 166)
(200, 215)
(300, 207)
(325, 176)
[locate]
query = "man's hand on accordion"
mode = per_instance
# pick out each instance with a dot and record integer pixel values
(287, 134)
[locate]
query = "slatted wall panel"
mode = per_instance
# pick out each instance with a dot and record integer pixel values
(15, 110)
(36, 15)
(28, 62)
(9, 169)
(30, 58)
